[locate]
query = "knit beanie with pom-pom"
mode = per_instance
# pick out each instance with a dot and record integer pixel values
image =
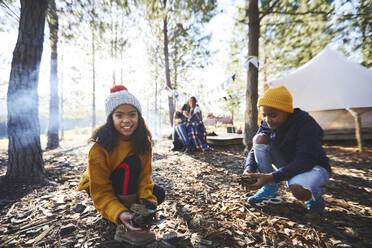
(119, 95)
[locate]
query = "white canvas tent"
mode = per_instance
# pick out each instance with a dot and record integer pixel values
(327, 86)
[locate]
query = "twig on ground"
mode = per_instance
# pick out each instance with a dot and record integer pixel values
(42, 235)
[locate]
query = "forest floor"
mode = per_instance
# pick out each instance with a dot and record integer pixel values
(204, 206)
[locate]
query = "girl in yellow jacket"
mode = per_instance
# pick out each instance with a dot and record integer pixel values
(120, 166)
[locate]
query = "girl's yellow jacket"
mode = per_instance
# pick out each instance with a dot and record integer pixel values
(97, 178)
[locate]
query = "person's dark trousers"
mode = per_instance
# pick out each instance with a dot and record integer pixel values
(159, 193)
(181, 133)
(180, 138)
(125, 178)
(177, 145)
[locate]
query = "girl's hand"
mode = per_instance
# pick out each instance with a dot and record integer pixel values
(125, 218)
(246, 172)
(262, 179)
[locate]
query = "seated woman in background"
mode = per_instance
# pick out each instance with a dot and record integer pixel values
(179, 135)
(195, 128)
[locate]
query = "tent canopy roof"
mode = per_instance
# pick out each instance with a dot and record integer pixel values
(329, 81)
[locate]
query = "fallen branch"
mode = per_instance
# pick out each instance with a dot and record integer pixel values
(5, 243)
(42, 235)
(35, 225)
(251, 213)
(10, 210)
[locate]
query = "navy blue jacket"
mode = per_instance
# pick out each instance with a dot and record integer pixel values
(299, 140)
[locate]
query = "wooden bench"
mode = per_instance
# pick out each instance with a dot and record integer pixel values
(225, 139)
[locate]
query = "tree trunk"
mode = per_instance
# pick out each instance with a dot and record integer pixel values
(156, 119)
(61, 114)
(93, 70)
(122, 51)
(232, 117)
(167, 72)
(113, 46)
(251, 94)
(53, 127)
(25, 160)
(358, 128)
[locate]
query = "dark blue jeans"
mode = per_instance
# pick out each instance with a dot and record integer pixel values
(179, 132)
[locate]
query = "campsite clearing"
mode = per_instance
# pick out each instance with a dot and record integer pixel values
(204, 205)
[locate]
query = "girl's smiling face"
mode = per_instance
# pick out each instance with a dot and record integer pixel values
(125, 118)
(273, 117)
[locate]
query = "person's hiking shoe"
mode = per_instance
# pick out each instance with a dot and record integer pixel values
(266, 195)
(177, 149)
(133, 238)
(316, 206)
(189, 149)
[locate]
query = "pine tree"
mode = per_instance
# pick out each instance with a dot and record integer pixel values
(25, 162)
(53, 127)
(296, 31)
(180, 20)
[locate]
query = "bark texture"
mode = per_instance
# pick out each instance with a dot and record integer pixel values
(252, 77)
(53, 127)
(25, 161)
(167, 72)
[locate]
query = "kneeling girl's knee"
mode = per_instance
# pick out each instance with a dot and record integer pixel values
(261, 139)
(300, 193)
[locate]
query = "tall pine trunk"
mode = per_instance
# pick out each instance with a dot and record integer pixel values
(251, 94)
(53, 127)
(62, 102)
(93, 27)
(25, 160)
(167, 72)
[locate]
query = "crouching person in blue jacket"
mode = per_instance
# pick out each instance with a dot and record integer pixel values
(290, 139)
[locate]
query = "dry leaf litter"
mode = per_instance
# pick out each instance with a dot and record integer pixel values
(204, 207)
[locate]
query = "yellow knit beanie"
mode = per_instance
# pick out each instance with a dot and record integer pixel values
(277, 97)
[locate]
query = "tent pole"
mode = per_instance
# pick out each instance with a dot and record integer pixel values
(358, 129)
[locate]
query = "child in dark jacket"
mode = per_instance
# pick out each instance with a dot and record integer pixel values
(291, 140)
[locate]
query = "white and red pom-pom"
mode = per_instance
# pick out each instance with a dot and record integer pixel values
(117, 88)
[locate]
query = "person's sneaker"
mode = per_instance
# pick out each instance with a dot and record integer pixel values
(133, 238)
(177, 149)
(267, 194)
(316, 206)
(189, 149)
